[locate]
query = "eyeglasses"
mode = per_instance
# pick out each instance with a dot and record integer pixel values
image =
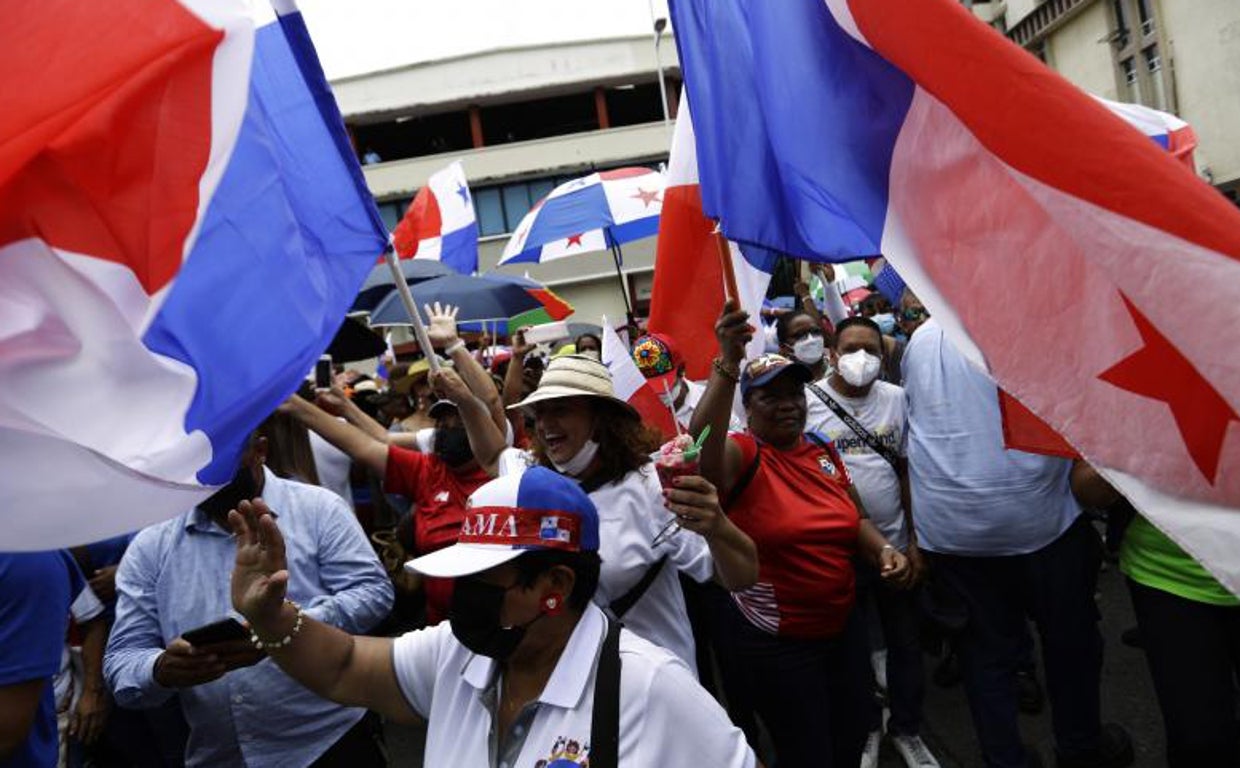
(914, 313)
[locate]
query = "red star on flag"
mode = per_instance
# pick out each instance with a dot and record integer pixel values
(1160, 371)
(574, 240)
(646, 197)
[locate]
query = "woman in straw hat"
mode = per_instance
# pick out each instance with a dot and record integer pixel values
(582, 430)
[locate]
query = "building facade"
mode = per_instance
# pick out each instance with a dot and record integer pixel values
(522, 120)
(1181, 56)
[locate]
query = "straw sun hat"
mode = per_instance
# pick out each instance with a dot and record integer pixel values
(575, 376)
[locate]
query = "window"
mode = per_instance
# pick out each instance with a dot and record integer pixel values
(392, 211)
(1153, 67)
(1039, 50)
(490, 211)
(1132, 83)
(1121, 23)
(1146, 17)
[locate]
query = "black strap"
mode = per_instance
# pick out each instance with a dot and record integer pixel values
(855, 426)
(605, 719)
(625, 602)
(743, 482)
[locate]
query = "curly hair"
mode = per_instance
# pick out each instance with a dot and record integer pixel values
(624, 442)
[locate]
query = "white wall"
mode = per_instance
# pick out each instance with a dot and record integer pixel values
(1074, 51)
(1204, 42)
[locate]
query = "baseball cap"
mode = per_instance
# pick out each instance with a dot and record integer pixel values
(658, 359)
(514, 514)
(763, 370)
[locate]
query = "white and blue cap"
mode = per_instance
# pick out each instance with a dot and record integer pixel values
(514, 514)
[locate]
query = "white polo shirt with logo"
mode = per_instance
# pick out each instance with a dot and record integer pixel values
(630, 514)
(666, 718)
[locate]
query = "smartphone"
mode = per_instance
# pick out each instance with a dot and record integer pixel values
(547, 333)
(323, 372)
(216, 632)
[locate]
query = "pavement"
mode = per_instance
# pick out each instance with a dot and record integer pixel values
(1127, 699)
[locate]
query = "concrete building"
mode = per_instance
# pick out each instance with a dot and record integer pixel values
(523, 120)
(1182, 56)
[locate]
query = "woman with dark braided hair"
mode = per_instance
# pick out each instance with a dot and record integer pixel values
(582, 430)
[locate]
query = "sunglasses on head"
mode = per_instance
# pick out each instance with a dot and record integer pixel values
(914, 313)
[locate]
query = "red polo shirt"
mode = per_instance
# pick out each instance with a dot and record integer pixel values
(439, 495)
(798, 513)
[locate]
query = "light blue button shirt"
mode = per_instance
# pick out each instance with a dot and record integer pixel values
(971, 496)
(175, 577)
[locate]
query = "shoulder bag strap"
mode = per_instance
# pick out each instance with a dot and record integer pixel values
(605, 720)
(621, 605)
(855, 425)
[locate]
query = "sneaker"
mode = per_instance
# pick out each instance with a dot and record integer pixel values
(914, 751)
(869, 757)
(1114, 750)
(1029, 697)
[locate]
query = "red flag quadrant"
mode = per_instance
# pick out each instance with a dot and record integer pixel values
(632, 387)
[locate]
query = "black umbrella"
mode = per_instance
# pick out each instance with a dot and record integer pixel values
(379, 282)
(355, 341)
(477, 299)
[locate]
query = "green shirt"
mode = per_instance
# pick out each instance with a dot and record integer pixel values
(1149, 558)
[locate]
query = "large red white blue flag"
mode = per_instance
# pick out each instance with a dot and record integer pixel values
(688, 290)
(182, 227)
(1060, 248)
(440, 224)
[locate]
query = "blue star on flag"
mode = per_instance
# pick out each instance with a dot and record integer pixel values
(463, 191)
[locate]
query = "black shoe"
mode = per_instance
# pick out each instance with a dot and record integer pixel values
(1114, 750)
(1029, 697)
(947, 674)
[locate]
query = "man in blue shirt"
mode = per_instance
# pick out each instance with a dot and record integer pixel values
(241, 709)
(1005, 539)
(35, 594)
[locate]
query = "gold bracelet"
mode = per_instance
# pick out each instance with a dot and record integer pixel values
(733, 376)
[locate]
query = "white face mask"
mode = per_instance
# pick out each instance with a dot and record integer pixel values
(858, 368)
(579, 463)
(668, 396)
(809, 350)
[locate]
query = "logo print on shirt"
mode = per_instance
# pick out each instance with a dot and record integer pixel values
(566, 753)
(827, 465)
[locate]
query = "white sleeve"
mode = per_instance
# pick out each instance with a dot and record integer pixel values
(416, 662)
(425, 439)
(510, 437)
(512, 461)
(683, 725)
(833, 303)
(86, 605)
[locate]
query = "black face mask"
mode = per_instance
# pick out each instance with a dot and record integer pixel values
(475, 619)
(452, 445)
(241, 488)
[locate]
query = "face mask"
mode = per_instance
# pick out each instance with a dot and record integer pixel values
(858, 368)
(452, 445)
(578, 464)
(241, 488)
(475, 619)
(809, 350)
(886, 323)
(668, 397)
(593, 354)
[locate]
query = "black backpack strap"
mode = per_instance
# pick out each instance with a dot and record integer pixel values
(605, 720)
(621, 605)
(866, 436)
(743, 482)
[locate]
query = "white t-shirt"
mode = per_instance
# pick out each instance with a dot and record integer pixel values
(972, 496)
(333, 465)
(631, 514)
(666, 718)
(883, 413)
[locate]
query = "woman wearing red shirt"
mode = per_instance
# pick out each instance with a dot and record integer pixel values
(791, 644)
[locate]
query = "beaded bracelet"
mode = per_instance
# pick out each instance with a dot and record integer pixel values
(286, 640)
(732, 376)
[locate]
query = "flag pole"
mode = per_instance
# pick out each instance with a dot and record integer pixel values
(617, 255)
(406, 298)
(730, 290)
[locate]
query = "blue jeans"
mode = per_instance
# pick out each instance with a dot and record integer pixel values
(1053, 586)
(899, 615)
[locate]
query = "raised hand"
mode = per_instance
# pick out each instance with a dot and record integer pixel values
(449, 385)
(825, 272)
(260, 574)
(442, 328)
(333, 400)
(519, 348)
(733, 332)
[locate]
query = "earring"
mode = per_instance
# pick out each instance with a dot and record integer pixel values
(553, 604)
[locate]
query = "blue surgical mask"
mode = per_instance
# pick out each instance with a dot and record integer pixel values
(886, 323)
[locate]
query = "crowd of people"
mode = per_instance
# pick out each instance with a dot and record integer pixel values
(492, 545)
